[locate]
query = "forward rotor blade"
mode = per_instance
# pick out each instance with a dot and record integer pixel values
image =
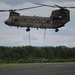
(20, 9)
(28, 8)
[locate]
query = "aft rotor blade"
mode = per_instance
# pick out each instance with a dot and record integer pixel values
(19, 9)
(55, 6)
(44, 5)
(62, 7)
(69, 7)
(4, 10)
(59, 6)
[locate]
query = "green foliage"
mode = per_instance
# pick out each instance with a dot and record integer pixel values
(22, 61)
(42, 54)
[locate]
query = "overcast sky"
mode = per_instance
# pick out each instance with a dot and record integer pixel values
(12, 36)
(22, 1)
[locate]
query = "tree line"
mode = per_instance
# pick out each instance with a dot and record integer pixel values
(26, 54)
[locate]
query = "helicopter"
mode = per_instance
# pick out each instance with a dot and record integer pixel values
(57, 19)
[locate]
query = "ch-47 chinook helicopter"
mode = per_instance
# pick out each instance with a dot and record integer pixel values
(57, 19)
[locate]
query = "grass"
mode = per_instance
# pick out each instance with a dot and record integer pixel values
(15, 64)
(19, 64)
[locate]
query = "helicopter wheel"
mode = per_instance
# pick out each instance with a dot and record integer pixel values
(28, 29)
(56, 30)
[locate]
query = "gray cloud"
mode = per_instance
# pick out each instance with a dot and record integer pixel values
(14, 2)
(18, 1)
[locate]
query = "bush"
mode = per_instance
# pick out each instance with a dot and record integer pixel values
(22, 61)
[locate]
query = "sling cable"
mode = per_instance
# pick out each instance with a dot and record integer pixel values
(29, 39)
(44, 38)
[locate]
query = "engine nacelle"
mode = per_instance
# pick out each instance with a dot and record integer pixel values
(61, 14)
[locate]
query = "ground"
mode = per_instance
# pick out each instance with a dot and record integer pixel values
(38, 69)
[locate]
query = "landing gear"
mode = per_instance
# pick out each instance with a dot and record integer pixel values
(28, 29)
(56, 30)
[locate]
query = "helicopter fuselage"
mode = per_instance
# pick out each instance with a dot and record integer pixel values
(33, 21)
(57, 19)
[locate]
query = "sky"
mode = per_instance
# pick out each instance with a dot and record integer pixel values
(13, 36)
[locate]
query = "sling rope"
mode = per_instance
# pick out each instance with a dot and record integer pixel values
(44, 37)
(29, 39)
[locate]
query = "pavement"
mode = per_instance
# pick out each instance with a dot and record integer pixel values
(38, 69)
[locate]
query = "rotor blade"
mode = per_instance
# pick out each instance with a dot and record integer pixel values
(55, 6)
(27, 8)
(63, 7)
(69, 7)
(4, 10)
(19, 9)
(59, 6)
(44, 5)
